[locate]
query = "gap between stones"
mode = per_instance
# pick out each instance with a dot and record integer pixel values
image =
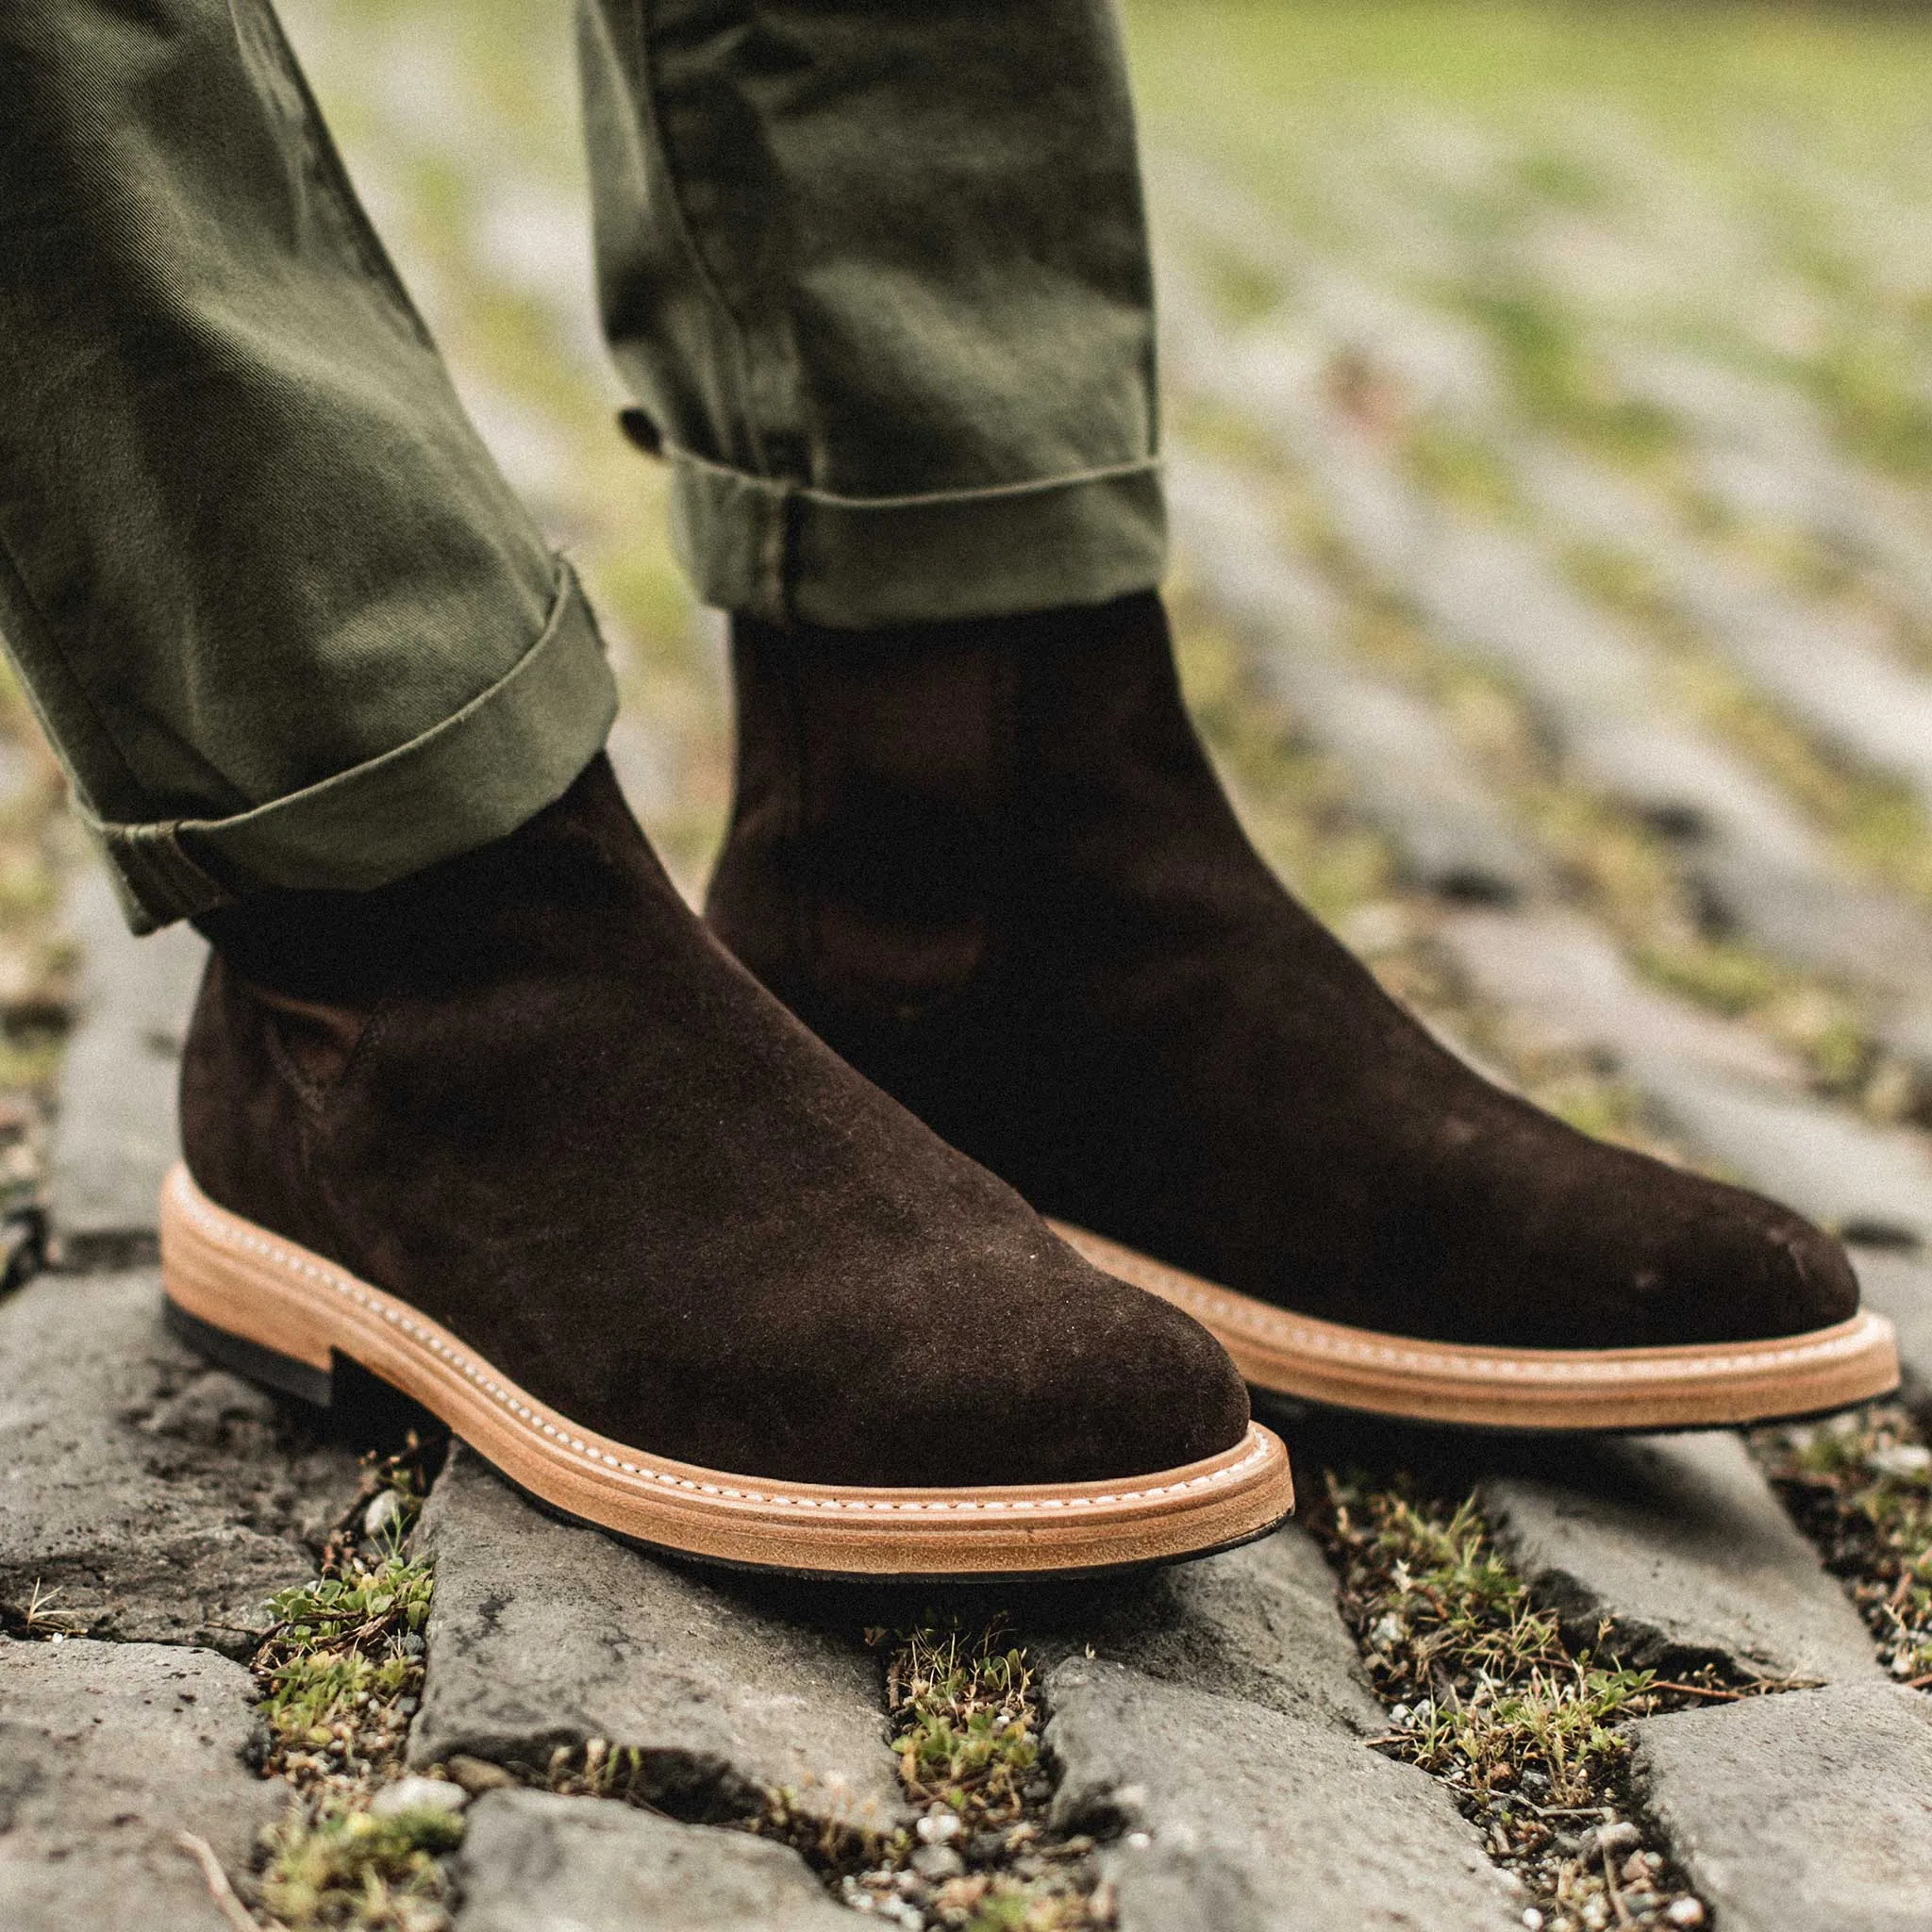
(339, 1675)
(980, 1855)
(1525, 1727)
(338, 1678)
(1485, 1693)
(1859, 1486)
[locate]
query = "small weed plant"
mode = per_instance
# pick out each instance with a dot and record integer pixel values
(43, 1617)
(1861, 1487)
(342, 1667)
(345, 1867)
(965, 1719)
(339, 1673)
(981, 1858)
(1484, 1692)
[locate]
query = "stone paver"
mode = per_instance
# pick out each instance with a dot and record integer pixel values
(107, 1751)
(1819, 921)
(162, 1499)
(1762, 451)
(1491, 592)
(1409, 777)
(1557, 972)
(1259, 1623)
(1828, 666)
(115, 1136)
(1765, 869)
(545, 1634)
(1442, 364)
(1233, 1816)
(1678, 1543)
(1828, 670)
(1711, 1083)
(1810, 1811)
(1899, 1285)
(1870, 1183)
(531, 1862)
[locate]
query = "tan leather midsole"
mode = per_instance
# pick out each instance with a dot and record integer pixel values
(239, 1277)
(1707, 1386)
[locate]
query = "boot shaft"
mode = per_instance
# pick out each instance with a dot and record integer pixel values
(907, 798)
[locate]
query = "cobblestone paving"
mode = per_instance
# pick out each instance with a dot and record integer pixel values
(1551, 440)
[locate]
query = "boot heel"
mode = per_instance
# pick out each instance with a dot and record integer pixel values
(226, 1299)
(252, 1360)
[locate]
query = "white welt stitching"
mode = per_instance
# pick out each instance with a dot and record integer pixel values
(225, 1232)
(1565, 1367)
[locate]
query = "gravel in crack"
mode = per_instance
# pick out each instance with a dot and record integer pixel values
(1484, 1693)
(1861, 1487)
(966, 1732)
(339, 1675)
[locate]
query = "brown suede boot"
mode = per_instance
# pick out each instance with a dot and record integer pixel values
(990, 865)
(520, 1139)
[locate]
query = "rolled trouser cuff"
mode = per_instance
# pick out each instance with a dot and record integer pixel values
(786, 553)
(476, 777)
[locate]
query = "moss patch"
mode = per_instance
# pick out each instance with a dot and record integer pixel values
(340, 1674)
(345, 1867)
(1484, 1693)
(341, 1667)
(1860, 1486)
(344, 1657)
(965, 1730)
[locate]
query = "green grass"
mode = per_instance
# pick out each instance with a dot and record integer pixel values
(338, 1674)
(1454, 143)
(1855, 81)
(348, 1867)
(1454, 467)
(341, 1664)
(1485, 1692)
(1862, 1487)
(1482, 1682)
(337, 1645)
(965, 1724)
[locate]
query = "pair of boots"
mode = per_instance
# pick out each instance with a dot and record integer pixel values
(765, 1280)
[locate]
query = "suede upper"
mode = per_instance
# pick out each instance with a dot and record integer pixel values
(990, 864)
(528, 1094)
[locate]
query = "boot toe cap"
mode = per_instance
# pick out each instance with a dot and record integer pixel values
(1071, 1376)
(1146, 1388)
(1751, 1269)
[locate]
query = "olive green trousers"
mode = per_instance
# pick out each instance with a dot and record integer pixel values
(875, 272)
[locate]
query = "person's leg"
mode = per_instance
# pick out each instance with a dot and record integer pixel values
(284, 620)
(876, 272)
(877, 277)
(469, 1095)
